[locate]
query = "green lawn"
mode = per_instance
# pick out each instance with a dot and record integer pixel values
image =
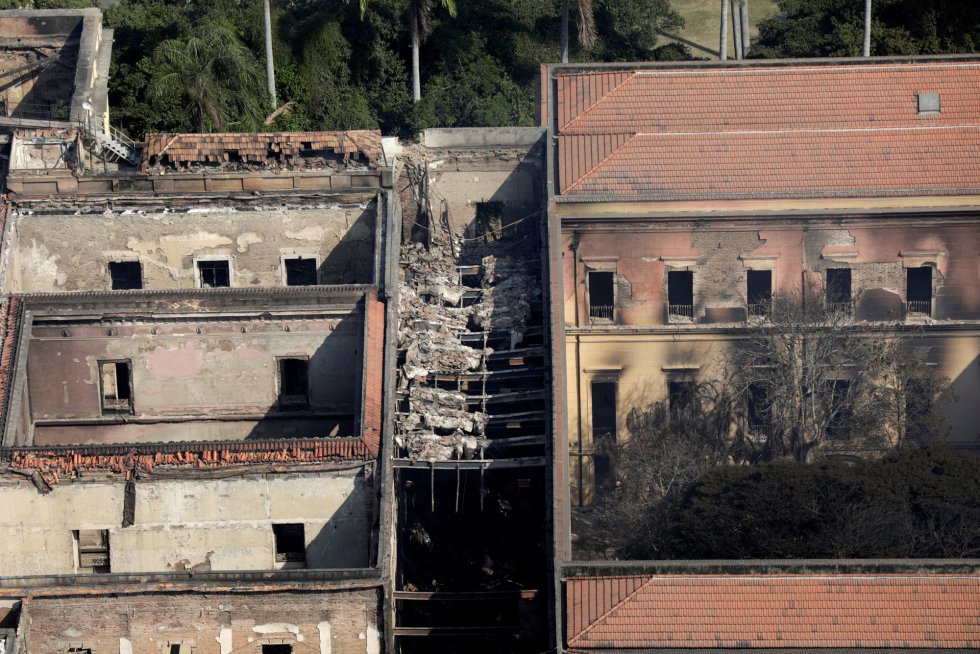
(702, 24)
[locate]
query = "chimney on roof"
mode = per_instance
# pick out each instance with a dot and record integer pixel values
(928, 103)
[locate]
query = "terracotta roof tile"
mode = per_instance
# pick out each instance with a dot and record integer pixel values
(906, 611)
(849, 104)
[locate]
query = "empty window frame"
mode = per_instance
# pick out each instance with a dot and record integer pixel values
(759, 292)
(680, 394)
(918, 290)
(177, 648)
(290, 543)
(125, 275)
(680, 293)
(278, 648)
(601, 295)
(79, 650)
(294, 383)
(116, 387)
(759, 409)
(838, 407)
(214, 273)
(300, 271)
(838, 289)
(92, 546)
(604, 427)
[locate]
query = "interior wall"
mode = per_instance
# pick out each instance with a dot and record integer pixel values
(220, 524)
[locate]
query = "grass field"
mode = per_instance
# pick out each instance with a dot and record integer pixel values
(702, 24)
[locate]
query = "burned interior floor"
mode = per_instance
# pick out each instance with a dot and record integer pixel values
(470, 445)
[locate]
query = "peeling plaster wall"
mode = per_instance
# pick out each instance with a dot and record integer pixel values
(719, 257)
(55, 253)
(223, 524)
(317, 622)
(187, 370)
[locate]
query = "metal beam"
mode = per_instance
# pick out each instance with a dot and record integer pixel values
(474, 596)
(478, 464)
(456, 631)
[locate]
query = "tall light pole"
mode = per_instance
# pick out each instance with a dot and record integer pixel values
(867, 28)
(270, 70)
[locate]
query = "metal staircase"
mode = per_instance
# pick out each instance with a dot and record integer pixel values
(113, 143)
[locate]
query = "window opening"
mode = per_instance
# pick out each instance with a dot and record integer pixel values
(837, 407)
(125, 275)
(290, 543)
(680, 293)
(680, 394)
(79, 650)
(918, 290)
(214, 274)
(301, 272)
(116, 388)
(603, 429)
(601, 296)
(838, 289)
(93, 550)
(760, 419)
(759, 292)
(294, 383)
(489, 220)
(281, 648)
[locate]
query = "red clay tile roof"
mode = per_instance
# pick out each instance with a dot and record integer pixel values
(759, 121)
(802, 611)
(10, 314)
(180, 149)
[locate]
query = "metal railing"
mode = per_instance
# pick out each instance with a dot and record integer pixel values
(600, 312)
(922, 307)
(682, 310)
(761, 308)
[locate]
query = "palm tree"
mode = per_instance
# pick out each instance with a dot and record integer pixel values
(586, 26)
(215, 73)
(418, 18)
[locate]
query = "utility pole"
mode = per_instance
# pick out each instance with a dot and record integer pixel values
(270, 70)
(737, 28)
(867, 28)
(723, 48)
(744, 12)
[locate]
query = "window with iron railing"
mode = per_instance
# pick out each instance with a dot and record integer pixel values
(680, 293)
(918, 290)
(601, 313)
(601, 296)
(759, 292)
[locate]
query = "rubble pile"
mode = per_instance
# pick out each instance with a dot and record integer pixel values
(437, 314)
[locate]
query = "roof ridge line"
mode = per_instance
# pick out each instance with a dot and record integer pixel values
(600, 163)
(832, 130)
(629, 75)
(614, 607)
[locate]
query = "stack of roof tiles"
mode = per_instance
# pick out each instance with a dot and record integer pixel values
(769, 131)
(792, 611)
(183, 149)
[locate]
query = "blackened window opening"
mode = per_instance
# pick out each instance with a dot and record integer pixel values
(760, 418)
(294, 382)
(680, 293)
(680, 394)
(125, 275)
(918, 289)
(281, 648)
(604, 410)
(601, 295)
(838, 287)
(759, 293)
(214, 274)
(290, 543)
(301, 272)
(838, 407)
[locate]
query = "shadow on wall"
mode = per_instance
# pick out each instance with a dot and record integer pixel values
(318, 395)
(345, 540)
(47, 98)
(351, 261)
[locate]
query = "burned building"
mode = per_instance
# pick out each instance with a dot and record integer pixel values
(685, 200)
(193, 388)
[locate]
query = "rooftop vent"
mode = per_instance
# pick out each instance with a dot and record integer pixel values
(928, 103)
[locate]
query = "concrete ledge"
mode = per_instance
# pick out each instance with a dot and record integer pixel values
(482, 137)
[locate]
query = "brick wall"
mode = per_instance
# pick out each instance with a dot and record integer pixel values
(374, 311)
(324, 622)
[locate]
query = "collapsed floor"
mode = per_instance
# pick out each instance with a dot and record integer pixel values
(470, 445)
